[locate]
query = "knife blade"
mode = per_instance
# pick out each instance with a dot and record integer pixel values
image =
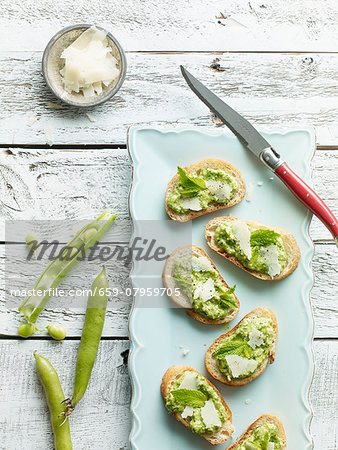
(258, 145)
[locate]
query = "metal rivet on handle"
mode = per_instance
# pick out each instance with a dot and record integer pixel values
(284, 171)
(307, 195)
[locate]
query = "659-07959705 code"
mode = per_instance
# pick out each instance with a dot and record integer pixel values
(145, 292)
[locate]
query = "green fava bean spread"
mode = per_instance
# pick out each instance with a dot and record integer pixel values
(198, 189)
(199, 404)
(257, 249)
(261, 437)
(56, 271)
(199, 281)
(242, 352)
(54, 396)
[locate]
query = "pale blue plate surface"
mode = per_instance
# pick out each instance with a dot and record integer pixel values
(159, 334)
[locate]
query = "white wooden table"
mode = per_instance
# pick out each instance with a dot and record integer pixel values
(277, 65)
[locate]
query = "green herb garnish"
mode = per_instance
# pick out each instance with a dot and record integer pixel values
(189, 397)
(233, 347)
(227, 298)
(191, 185)
(263, 238)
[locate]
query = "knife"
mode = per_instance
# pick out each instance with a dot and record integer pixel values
(255, 142)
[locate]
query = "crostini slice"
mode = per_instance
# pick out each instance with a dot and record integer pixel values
(266, 433)
(266, 252)
(203, 187)
(242, 354)
(197, 404)
(194, 282)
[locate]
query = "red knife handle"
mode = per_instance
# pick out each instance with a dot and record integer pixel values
(308, 197)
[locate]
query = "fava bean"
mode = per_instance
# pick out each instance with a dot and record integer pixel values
(31, 240)
(56, 332)
(54, 396)
(27, 329)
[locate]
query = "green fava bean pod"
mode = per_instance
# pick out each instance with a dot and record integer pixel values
(56, 271)
(90, 338)
(54, 396)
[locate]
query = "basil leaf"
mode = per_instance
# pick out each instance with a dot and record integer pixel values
(191, 184)
(263, 238)
(189, 397)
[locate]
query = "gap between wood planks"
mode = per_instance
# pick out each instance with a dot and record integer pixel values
(10, 337)
(212, 52)
(81, 147)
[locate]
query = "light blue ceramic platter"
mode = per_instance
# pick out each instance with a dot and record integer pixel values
(158, 334)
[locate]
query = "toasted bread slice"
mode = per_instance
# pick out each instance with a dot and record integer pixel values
(222, 434)
(289, 241)
(211, 362)
(208, 164)
(182, 299)
(265, 418)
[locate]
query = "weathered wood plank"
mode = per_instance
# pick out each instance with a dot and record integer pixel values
(24, 415)
(68, 307)
(55, 185)
(324, 397)
(272, 90)
(102, 419)
(325, 291)
(69, 311)
(201, 25)
(80, 184)
(325, 182)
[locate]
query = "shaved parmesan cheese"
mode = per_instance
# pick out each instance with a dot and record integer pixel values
(189, 381)
(270, 255)
(49, 133)
(90, 117)
(242, 235)
(256, 338)
(220, 189)
(200, 264)
(187, 412)
(209, 415)
(191, 203)
(206, 291)
(89, 64)
(271, 446)
(32, 121)
(223, 194)
(249, 192)
(239, 366)
(52, 105)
